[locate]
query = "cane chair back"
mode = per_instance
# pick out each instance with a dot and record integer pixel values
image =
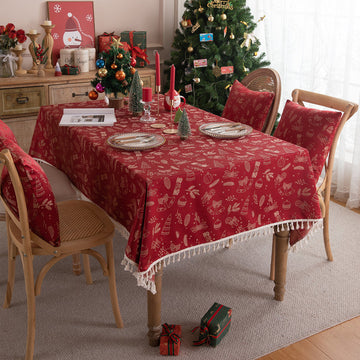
(347, 109)
(266, 79)
(82, 226)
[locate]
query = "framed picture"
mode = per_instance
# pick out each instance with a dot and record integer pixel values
(74, 25)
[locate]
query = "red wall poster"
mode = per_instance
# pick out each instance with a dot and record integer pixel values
(74, 25)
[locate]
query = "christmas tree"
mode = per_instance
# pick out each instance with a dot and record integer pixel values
(115, 70)
(215, 45)
(135, 96)
(184, 129)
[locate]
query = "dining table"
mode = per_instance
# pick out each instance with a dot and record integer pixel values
(177, 197)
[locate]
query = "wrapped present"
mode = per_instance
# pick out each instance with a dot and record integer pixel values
(105, 40)
(214, 325)
(170, 339)
(70, 70)
(135, 42)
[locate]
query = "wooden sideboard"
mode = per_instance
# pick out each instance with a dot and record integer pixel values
(21, 97)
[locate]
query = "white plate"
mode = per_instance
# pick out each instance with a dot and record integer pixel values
(135, 141)
(223, 130)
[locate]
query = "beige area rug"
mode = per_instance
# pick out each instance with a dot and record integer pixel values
(74, 320)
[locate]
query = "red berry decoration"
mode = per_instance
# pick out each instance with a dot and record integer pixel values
(93, 95)
(120, 75)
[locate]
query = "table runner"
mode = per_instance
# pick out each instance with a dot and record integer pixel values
(184, 197)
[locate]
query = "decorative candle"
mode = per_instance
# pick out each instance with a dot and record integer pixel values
(147, 94)
(18, 47)
(81, 59)
(157, 66)
(67, 57)
(33, 31)
(47, 22)
(172, 82)
(92, 58)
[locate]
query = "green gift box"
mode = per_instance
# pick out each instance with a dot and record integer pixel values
(214, 325)
(135, 43)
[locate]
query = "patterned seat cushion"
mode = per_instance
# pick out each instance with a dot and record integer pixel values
(40, 201)
(5, 133)
(312, 129)
(248, 106)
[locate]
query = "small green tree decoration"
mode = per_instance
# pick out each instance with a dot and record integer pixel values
(135, 96)
(184, 130)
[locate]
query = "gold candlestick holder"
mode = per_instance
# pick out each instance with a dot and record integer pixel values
(158, 90)
(48, 44)
(33, 38)
(172, 130)
(20, 71)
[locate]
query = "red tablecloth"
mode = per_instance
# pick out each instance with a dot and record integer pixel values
(185, 195)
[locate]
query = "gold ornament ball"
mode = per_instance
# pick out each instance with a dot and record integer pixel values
(102, 72)
(184, 23)
(232, 36)
(211, 18)
(190, 49)
(120, 75)
(113, 66)
(93, 95)
(223, 16)
(196, 80)
(201, 9)
(132, 70)
(119, 56)
(255, 53)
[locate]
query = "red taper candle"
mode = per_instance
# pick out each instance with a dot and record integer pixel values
(157, 67)
(172, 82)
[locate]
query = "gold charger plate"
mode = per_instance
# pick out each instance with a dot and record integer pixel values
(136, 141)
(223, 130)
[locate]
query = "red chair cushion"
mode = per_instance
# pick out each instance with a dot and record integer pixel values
(312, 129)
(248, 106)
(40, 201)
(6, 133)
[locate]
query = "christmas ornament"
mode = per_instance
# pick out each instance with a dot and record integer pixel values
(255, 53)
(120, 75)
(184, 23)
(248, 39)
(227, 4)
(119, 56)
(223, 16)
(93, 95)
(102, 72)
(211, 18)
(99, 88)
(116, 43)
(100, 63)
(232, 36)
(201, 9)
(196, 80)
(133, 62)
(216, 71)
(113, 66)
(132, 70)
(190, 49)
(125, 83)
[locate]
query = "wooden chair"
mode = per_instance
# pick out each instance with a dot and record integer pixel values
(348, 109)
(266, 79)
(82, 224)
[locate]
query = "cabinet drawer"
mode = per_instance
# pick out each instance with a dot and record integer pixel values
(70, 93)
(21, 101)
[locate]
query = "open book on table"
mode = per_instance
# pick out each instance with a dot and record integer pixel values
(88, 117)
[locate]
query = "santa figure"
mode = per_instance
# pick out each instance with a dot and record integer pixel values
(72, 37)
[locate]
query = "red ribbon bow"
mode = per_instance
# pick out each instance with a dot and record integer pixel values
(108, 34)
(204, 336)
(135, 50)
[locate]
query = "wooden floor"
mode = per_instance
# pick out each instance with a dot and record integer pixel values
(341, 342)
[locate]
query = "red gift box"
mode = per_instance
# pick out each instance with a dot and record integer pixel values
(135, 43)
(105, 40)
(170, 339)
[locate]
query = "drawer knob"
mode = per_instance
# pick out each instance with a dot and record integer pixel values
(22, 100)
(86, 93)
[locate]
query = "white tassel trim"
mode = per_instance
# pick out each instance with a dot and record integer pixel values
(145, 279)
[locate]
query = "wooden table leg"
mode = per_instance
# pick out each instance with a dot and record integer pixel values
(281, 255)
(154, 311)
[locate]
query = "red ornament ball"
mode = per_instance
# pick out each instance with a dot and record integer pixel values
(93, 95)
(120, 75)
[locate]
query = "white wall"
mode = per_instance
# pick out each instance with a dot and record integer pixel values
(158, 17)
